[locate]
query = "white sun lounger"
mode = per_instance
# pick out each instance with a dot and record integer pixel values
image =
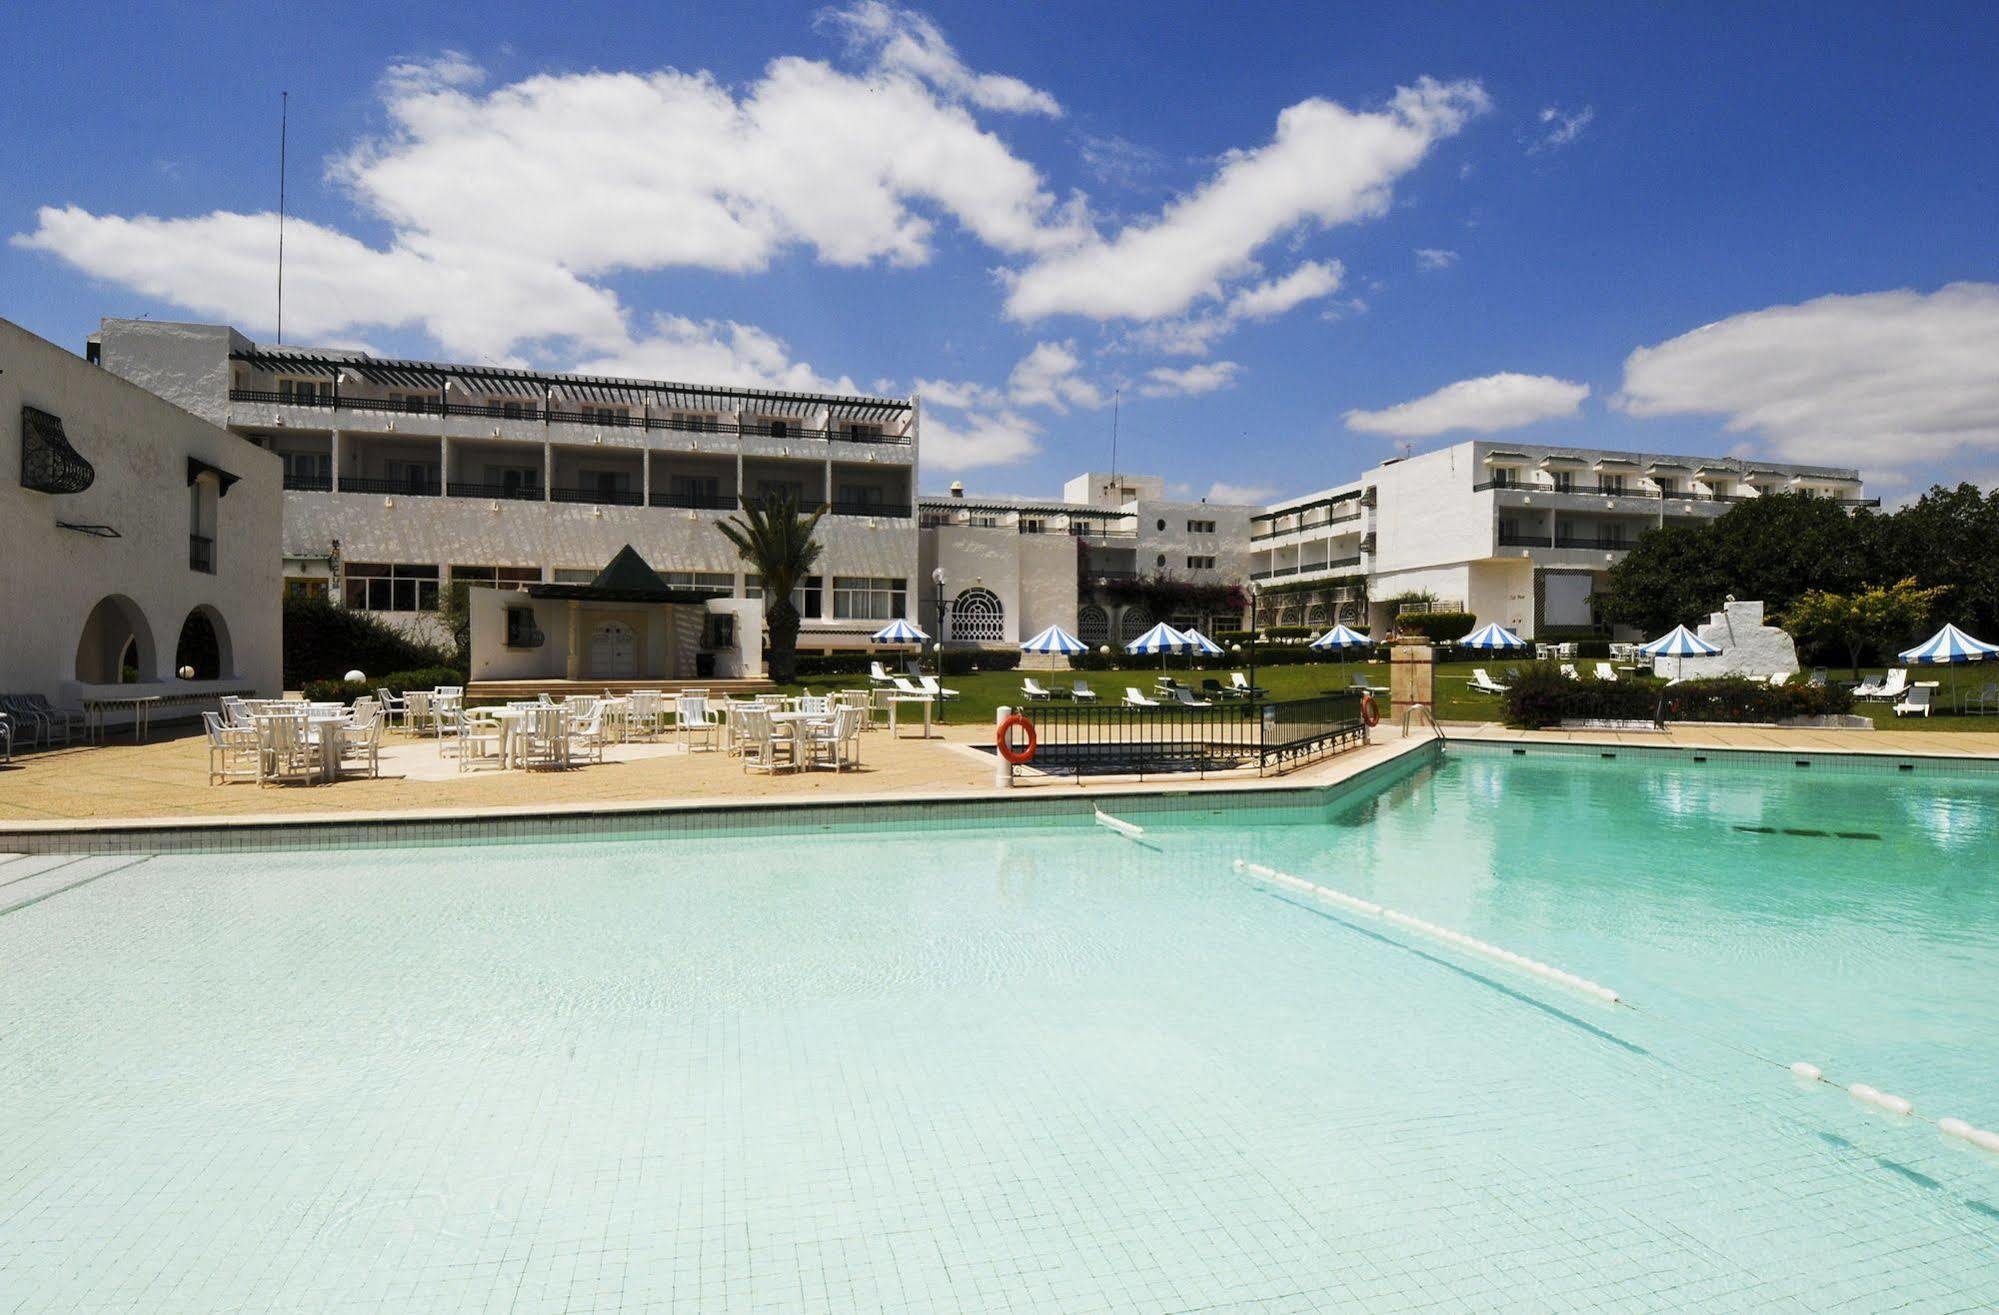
(1134, 699)
(1484, 684)
(1916, 704)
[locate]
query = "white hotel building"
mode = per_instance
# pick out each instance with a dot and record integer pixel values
(1521, 534)
(401, 476)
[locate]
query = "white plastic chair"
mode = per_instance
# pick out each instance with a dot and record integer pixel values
(697, 721)
(233, 751)
(1604, 671)
(543, 737)
(761, 740)
(481, 741)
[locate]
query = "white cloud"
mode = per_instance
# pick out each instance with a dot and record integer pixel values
(1877, 380)
(714, 351)
(903, 42)
(501, 205)
(1429, 259)
(1326, 165)
(1494, 402)
(1558, 128)
(1118, 162)
(964, 442)
(1206, 377)
(1196, 335)
(1241, 494)
(1047, 376)
(957, 394)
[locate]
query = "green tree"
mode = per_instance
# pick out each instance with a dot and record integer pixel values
(1950, 536)
(454, 618)
(1883, 616)
(1773, 548)
(771, 535)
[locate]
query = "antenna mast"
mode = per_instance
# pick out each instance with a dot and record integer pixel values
(284, 126)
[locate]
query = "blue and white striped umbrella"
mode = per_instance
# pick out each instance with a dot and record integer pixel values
(1339, 639)
(1055, 640)
(898, 632)
(1492, 637)
(1199, 642)
(1950, 645)
(1162, 638)
(1682, 642)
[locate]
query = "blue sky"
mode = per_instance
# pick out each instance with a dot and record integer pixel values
(1295, 239)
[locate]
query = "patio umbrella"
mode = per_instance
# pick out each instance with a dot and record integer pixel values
(1950, 647)
(1055, 640)
(1682, 642)
(1339, 640)
(1199, 642)
(898, 632)
(1493, 637)
(1161, 639)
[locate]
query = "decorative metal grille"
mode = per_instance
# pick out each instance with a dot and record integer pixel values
(976, 614)
(48, 463)
(1093, 625)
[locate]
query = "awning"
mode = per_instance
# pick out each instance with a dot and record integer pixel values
(196, 468)
(1557, 459)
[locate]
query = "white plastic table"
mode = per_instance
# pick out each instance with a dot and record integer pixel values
(924, 699)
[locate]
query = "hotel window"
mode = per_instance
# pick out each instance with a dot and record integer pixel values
(604, 415)
(807, 598)
(858, 495)
(1667, 485)
(859, 433)
(694, 490)
(305, 586)
(573, 575)
(514, 481)
(1502, 477)
(695, 423)
(522, 632)
(713, 581)
(1032, 526)
(305, 391)
(791, 488)
(1608, 483)
(1200, 527)
(308, 470)
(605, 483)
(496, 575)
(778, 428)
(380, 587)
(1200, 563)
(511, 408)
(1565, 480)
(410, 476)
(417, 402)
(866, 598)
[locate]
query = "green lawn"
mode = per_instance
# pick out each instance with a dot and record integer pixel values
(981, 693)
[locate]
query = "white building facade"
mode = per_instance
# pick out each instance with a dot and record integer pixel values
(1521, 534)
(137, 541)
(401, 477)
(1105, 561)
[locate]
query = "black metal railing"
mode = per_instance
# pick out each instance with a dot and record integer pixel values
(1089, 739)
(695, 501)
(602, 497)
(886, 510)
(459, 488)
(1591, 541)
(201, 553)
(1507, 540)
(551, 415)
(309, 483)
(415, 488)
(1308, 525)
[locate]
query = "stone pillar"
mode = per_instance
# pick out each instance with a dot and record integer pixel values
(1412, 676)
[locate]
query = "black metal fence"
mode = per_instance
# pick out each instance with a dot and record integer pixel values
(1087, 739)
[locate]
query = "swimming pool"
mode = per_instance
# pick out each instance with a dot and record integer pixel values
(1035, 1066)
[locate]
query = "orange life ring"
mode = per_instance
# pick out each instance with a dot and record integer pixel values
(1023, 754)
(1367, 713)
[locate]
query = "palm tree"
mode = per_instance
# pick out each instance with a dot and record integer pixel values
(771, 536)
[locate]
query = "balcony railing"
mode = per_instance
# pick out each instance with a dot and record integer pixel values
(201, 553)
(1601, 490)
(309, 483)
(1507, 540)
(900, 511)
(601, 497)
(695, 501)
(1592, 541)
(459, 488)
(415, 488)
(535, 412)
(1311, 525)
(1309, 568)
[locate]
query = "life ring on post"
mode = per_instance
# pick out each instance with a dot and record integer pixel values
(1017, 755)
(1368, 715)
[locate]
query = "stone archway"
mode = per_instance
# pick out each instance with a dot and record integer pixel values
(115, 640)
(204, 646)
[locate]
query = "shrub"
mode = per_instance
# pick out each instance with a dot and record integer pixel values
(1542, 696)
(396, 682)
(323, 641)
(1437, 626)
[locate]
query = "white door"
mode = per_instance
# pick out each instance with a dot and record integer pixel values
(614, 651)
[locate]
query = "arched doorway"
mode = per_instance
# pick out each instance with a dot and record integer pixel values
(976, 615)
(204, 646)
(614, 651)
(116, 646)
(1093, 625)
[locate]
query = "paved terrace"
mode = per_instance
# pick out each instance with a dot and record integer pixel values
(80, 787)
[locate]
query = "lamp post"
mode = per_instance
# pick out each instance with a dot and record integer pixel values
(1255, 595)
(937, 578)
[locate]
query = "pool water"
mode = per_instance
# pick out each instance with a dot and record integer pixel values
(1034, 1067)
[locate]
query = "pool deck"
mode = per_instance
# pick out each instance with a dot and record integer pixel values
(159, 784)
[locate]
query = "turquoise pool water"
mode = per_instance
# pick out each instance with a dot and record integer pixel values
(1034, 1067)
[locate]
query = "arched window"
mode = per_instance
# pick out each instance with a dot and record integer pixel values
(116, 645)
(204, 646)
(976, 614)
(1093, 625)
(1133, 622)
(1315, 614)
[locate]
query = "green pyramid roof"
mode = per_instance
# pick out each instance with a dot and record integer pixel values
(628, 573)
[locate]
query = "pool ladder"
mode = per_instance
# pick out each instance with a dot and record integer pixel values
(1409, 715)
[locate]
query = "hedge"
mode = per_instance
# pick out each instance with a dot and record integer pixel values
(957, 662)
(1540, 695)
(396, 682)
(1437, 626)
(323, 641)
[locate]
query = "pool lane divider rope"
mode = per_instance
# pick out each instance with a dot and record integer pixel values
(1455, 939)
(1898, 1106)
(1129, 830)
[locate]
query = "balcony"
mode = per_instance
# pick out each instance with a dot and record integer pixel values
(1524, 540)
(201, 553)
(1330, 521)
(600, 497)
(415, 488)
(695, 501)
(459, 488)
(900, 511)
(535, 412)
(1594, 542)
(308, 483)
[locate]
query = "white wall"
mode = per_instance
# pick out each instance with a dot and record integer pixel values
(139, 446)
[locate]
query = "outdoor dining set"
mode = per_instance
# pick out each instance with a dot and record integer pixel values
(275, 741)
